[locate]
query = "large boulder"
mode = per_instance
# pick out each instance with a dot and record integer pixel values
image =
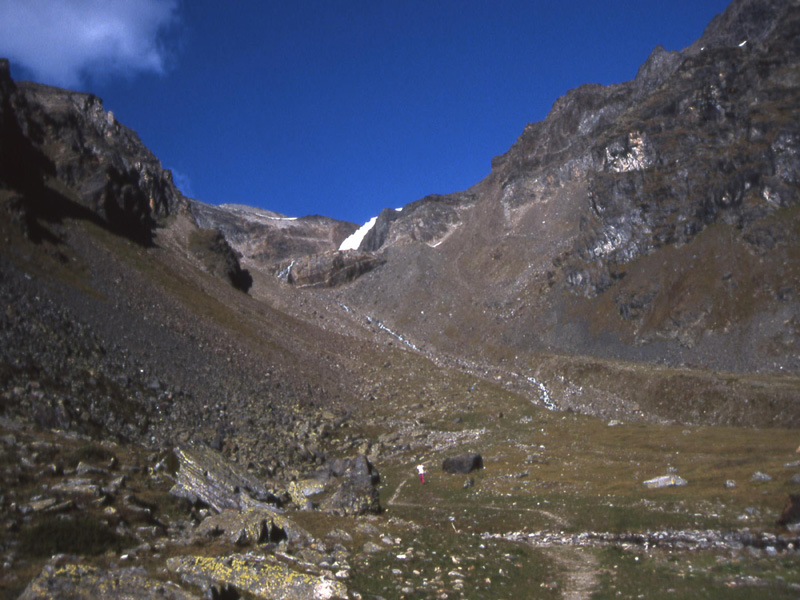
(791, 512)
(204, 475)
(261, 577)
(356, 466)
(353, 496)
(464, 463)
(60, 579)
(355, 493)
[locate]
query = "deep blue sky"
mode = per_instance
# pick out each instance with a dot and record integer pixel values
(335, 107)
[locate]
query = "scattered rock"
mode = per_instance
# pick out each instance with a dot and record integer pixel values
(340, 535)
(665, 481)
(371, 548)
(730, 484)
(760, 477)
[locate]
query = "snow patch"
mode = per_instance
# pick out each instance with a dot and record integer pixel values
(355, 239)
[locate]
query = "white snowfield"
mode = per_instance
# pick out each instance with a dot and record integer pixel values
(355, 239)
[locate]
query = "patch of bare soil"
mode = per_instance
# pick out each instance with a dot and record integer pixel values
(581, 570)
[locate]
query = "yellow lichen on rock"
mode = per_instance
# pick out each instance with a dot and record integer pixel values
(256, 576)
(85, 582)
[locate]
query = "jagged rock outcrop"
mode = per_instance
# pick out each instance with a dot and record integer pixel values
(252, 526)
(328, 269)
(50, 134)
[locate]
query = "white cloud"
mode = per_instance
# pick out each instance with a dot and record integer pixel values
(65, 42)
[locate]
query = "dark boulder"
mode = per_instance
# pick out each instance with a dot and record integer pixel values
(791, 512)
(464, 463)
(358, 466)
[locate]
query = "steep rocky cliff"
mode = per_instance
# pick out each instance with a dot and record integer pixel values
(54, 135)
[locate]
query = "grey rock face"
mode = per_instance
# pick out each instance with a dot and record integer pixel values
(203, 474)
(664, 207)
(329, 269)
(428, 220)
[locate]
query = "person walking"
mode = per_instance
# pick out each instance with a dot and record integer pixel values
(421, 471)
